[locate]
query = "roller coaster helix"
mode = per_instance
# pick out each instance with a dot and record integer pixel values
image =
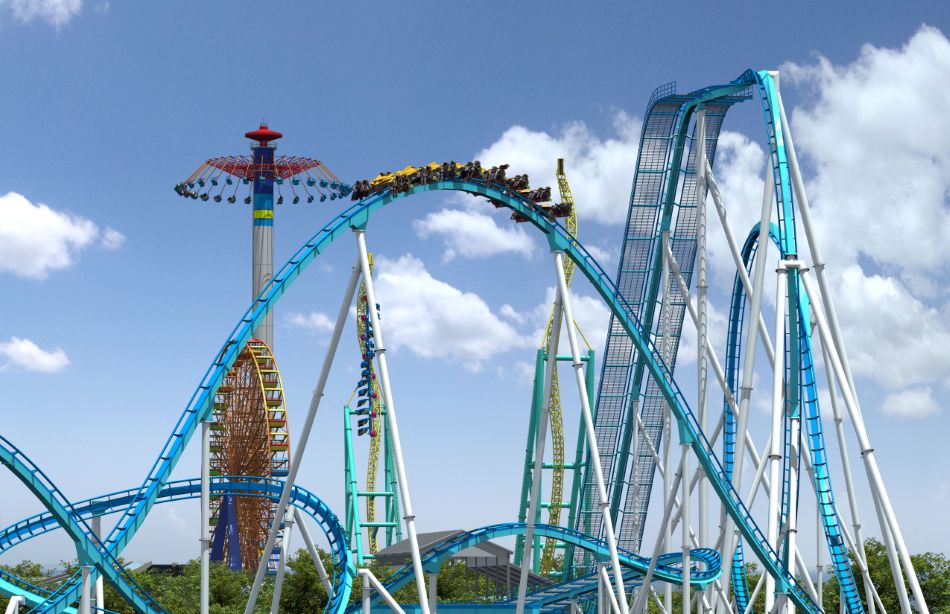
(628, 426)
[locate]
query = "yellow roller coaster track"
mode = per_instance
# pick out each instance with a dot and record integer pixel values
(548, 559)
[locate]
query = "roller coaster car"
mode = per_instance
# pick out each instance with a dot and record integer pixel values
(540, 195)
(518, 217)
(496, 174)
(518, 182)
(562, 210)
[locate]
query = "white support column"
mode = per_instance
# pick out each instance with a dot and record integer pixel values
(611, 598)
(591, 434)
(314, 554)
(847, 379)
(778, 413)
(204, 534)
(408, 514)
(684, 517)
(702, 337)
(819, 547)
(304, 438)
(282, 561)
(846, 470)
(367, 595)
(96, 525)
(644, 591)
(666, 439)
(537, 472)
(433, 591)
(795, 426)
(85, 598)
(13, 606)
(867, 452)
(729, 535)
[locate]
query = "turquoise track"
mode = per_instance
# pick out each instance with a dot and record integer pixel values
(831, 523)
(103, 555)
(357, 216)
(665, 570)
(242, 486)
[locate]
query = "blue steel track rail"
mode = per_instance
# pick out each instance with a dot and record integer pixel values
(831, 523)
(666, 571)
(357, 215)
(238, 486)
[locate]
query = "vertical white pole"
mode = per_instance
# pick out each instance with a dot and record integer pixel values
(408, 514)
(703, 330)
(282, 561)
(730, 535)
(537, 472)
(645, 586)
(867, 452)
(204, 538)
(367, 595)
(314, 554)
(795, 424)
(666, 351)
(100, 586)
(819, 570)
(846, 470)
(433, 591)
(591, 434)
(684, 518)
(874, 477)
(85, 596)
(304, 438)
(601, 598)
(778, 413)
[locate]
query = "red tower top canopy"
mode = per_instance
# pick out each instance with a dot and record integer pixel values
(263, 135)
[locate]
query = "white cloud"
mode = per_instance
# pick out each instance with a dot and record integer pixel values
(913, 403)
(472, 234)
(591, 315)
(604, 257)
(313, 322)
(599, 171)
(36, 239)
(876, 134)
(876, 140)
(26, 355)
(433, 319)
(56, 12)
(112, 239)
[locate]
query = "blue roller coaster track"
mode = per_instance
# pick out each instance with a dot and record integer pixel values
(238, 486)
(665, 569)
(821, 476)
(138, 502)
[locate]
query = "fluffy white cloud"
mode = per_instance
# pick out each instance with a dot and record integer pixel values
(436, 320)
(56, 12)
(313, 322)
(472, 234)
(112, 239)
(912, 403)
(25, 354)
(599, 171)
(590, 313)
(36, 239)
(876, 134)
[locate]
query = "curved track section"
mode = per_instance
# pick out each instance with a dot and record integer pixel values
(664, 571)
(87, 544)
(831, 523)
(356, 216)
(233, 486)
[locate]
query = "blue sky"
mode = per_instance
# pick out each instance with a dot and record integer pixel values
(118, 293)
